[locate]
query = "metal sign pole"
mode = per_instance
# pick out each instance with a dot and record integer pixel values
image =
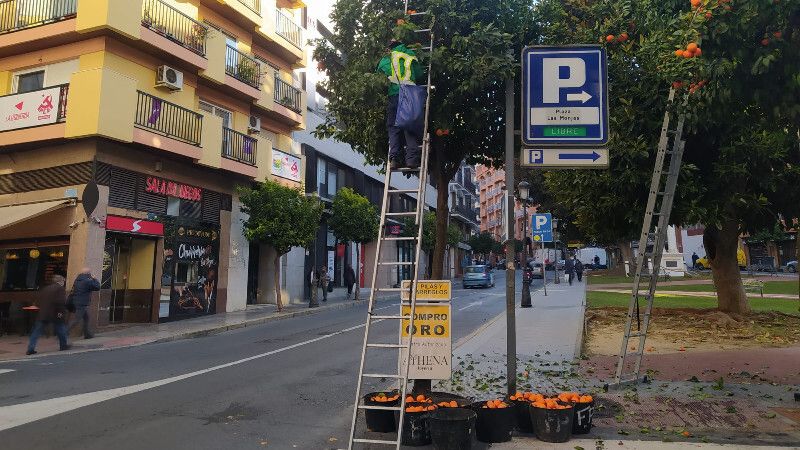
(511, 270)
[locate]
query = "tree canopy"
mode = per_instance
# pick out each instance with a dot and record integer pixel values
(354, 219)
(483, 243)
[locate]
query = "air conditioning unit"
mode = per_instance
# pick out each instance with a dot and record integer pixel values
(255, 125)
(169, 78)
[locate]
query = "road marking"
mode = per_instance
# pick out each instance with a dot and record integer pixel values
(20, 414)
(471, 305)
(2, 371)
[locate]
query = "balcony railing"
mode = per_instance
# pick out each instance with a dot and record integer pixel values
(175, 25)
(254, 5)
(238, 146)
(30, 109)
(287, 95)
(242, 67)
(291, 31)
(168, 119)
(16, 15)
(465, 211)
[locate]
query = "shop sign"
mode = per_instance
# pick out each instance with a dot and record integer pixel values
(285, 165)
(395, 230)
(434, 290)
(131, 225)
(431, 347)
(172, 189)
(29, 109)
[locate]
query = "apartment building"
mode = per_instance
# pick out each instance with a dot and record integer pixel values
(492, 192)
(155, 110)
(463, 214)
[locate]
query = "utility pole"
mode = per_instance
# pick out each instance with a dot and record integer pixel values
(511, 270)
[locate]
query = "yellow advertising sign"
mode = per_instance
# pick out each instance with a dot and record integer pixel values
(430, 321)
(428, 290)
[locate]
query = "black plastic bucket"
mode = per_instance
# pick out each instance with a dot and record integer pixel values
(380, 421)
(493, 424)
(452, 428)
(552, 425)
(523, 415)
(416, 428)
(582, 421)
(446, 397)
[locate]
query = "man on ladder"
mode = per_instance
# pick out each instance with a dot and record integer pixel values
(401, 66)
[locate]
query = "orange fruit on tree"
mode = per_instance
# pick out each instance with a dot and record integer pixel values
(697, 52)
(610, 38)
(708, 15)
(401, 21)
(777, 34)
(623, 37)
(679, 53)
(691, 47)
(765, 42)
(686, 54)
(695, 3)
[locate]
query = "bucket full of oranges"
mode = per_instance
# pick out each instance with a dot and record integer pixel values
(522, 404)
(552, 419)
(416, 427)
(495, 420)
(381, 421)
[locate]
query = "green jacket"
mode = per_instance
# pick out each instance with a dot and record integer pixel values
(403, 60)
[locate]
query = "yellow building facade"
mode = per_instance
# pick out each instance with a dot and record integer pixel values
(155, 110)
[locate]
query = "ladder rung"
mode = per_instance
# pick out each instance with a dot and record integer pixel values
(391, 289)
(421, 13)
(395, 263)
(391, 317)
(422, 30)
(381, 375)
(407, 169)
(400, 238)
(386, 346)
(376, 407)
(404, 213)
(636, 334)
(402, 191)
(374, 441)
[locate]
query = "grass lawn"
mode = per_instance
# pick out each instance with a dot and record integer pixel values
(770, 287)
(596, 299)
(618, 279)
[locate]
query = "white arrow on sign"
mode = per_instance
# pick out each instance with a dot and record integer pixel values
(565, 158)
(583, 97)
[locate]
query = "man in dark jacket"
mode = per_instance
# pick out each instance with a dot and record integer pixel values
(52, 309)
(81, 298)
(569, 269)
(579, 269)
(349, 279)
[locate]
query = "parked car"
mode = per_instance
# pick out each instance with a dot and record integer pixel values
(538, 270)
(478, 276)
(791, 266)
(501, 264)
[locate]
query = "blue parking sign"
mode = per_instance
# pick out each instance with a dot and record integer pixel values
(564, 96)
(542, 227)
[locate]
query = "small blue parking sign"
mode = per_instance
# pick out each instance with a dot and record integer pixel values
(542, 227)
(564, 96)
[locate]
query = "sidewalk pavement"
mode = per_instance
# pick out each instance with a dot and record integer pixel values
(13, 346)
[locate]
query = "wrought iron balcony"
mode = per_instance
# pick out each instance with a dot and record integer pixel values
(168, 119)
(17, 15)
(242, 67)
(291, 31)
(254, 5)
(238, 146)
(287, 95)
(175, 25)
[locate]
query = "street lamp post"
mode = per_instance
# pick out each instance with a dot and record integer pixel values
(524, 191)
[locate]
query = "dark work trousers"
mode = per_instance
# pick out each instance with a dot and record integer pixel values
(81, 314)
(399, 138)
(580, 275)
(38, 328)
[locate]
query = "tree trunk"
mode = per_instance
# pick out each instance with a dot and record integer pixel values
(278, 281)
(442, 215)
(721, 247)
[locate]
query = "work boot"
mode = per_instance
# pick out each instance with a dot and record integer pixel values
(395, 165)
(31, 352)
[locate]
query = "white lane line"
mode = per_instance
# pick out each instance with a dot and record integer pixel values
(471, 305)
(2, 371)
(384, 307)
(20, 414)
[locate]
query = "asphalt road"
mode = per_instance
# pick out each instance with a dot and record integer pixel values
(282, 385)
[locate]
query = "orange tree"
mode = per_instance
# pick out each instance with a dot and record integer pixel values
(737, 63)
(476, 41)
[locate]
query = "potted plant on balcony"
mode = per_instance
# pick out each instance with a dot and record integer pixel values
(198, 36)
(247, 71)
(147, 18)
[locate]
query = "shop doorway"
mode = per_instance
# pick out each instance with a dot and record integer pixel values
(130, 273)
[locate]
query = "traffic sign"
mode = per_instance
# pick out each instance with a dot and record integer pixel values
(575, 158)
(542, 227)
(564, 96)
(429, 290)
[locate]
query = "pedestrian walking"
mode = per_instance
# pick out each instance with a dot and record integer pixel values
(579, 269)
(313, 281)
(569, 269)
(349, 279)
(52, 304)
(596, 262)
(694, 259)
(324, 280)
(80, 298)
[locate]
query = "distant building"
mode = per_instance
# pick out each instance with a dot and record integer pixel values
(492, 194)
(463, 214)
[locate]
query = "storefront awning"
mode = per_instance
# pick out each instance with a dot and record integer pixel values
(12, 215)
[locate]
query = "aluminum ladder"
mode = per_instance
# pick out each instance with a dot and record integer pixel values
(651, 246)
(417, 214)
